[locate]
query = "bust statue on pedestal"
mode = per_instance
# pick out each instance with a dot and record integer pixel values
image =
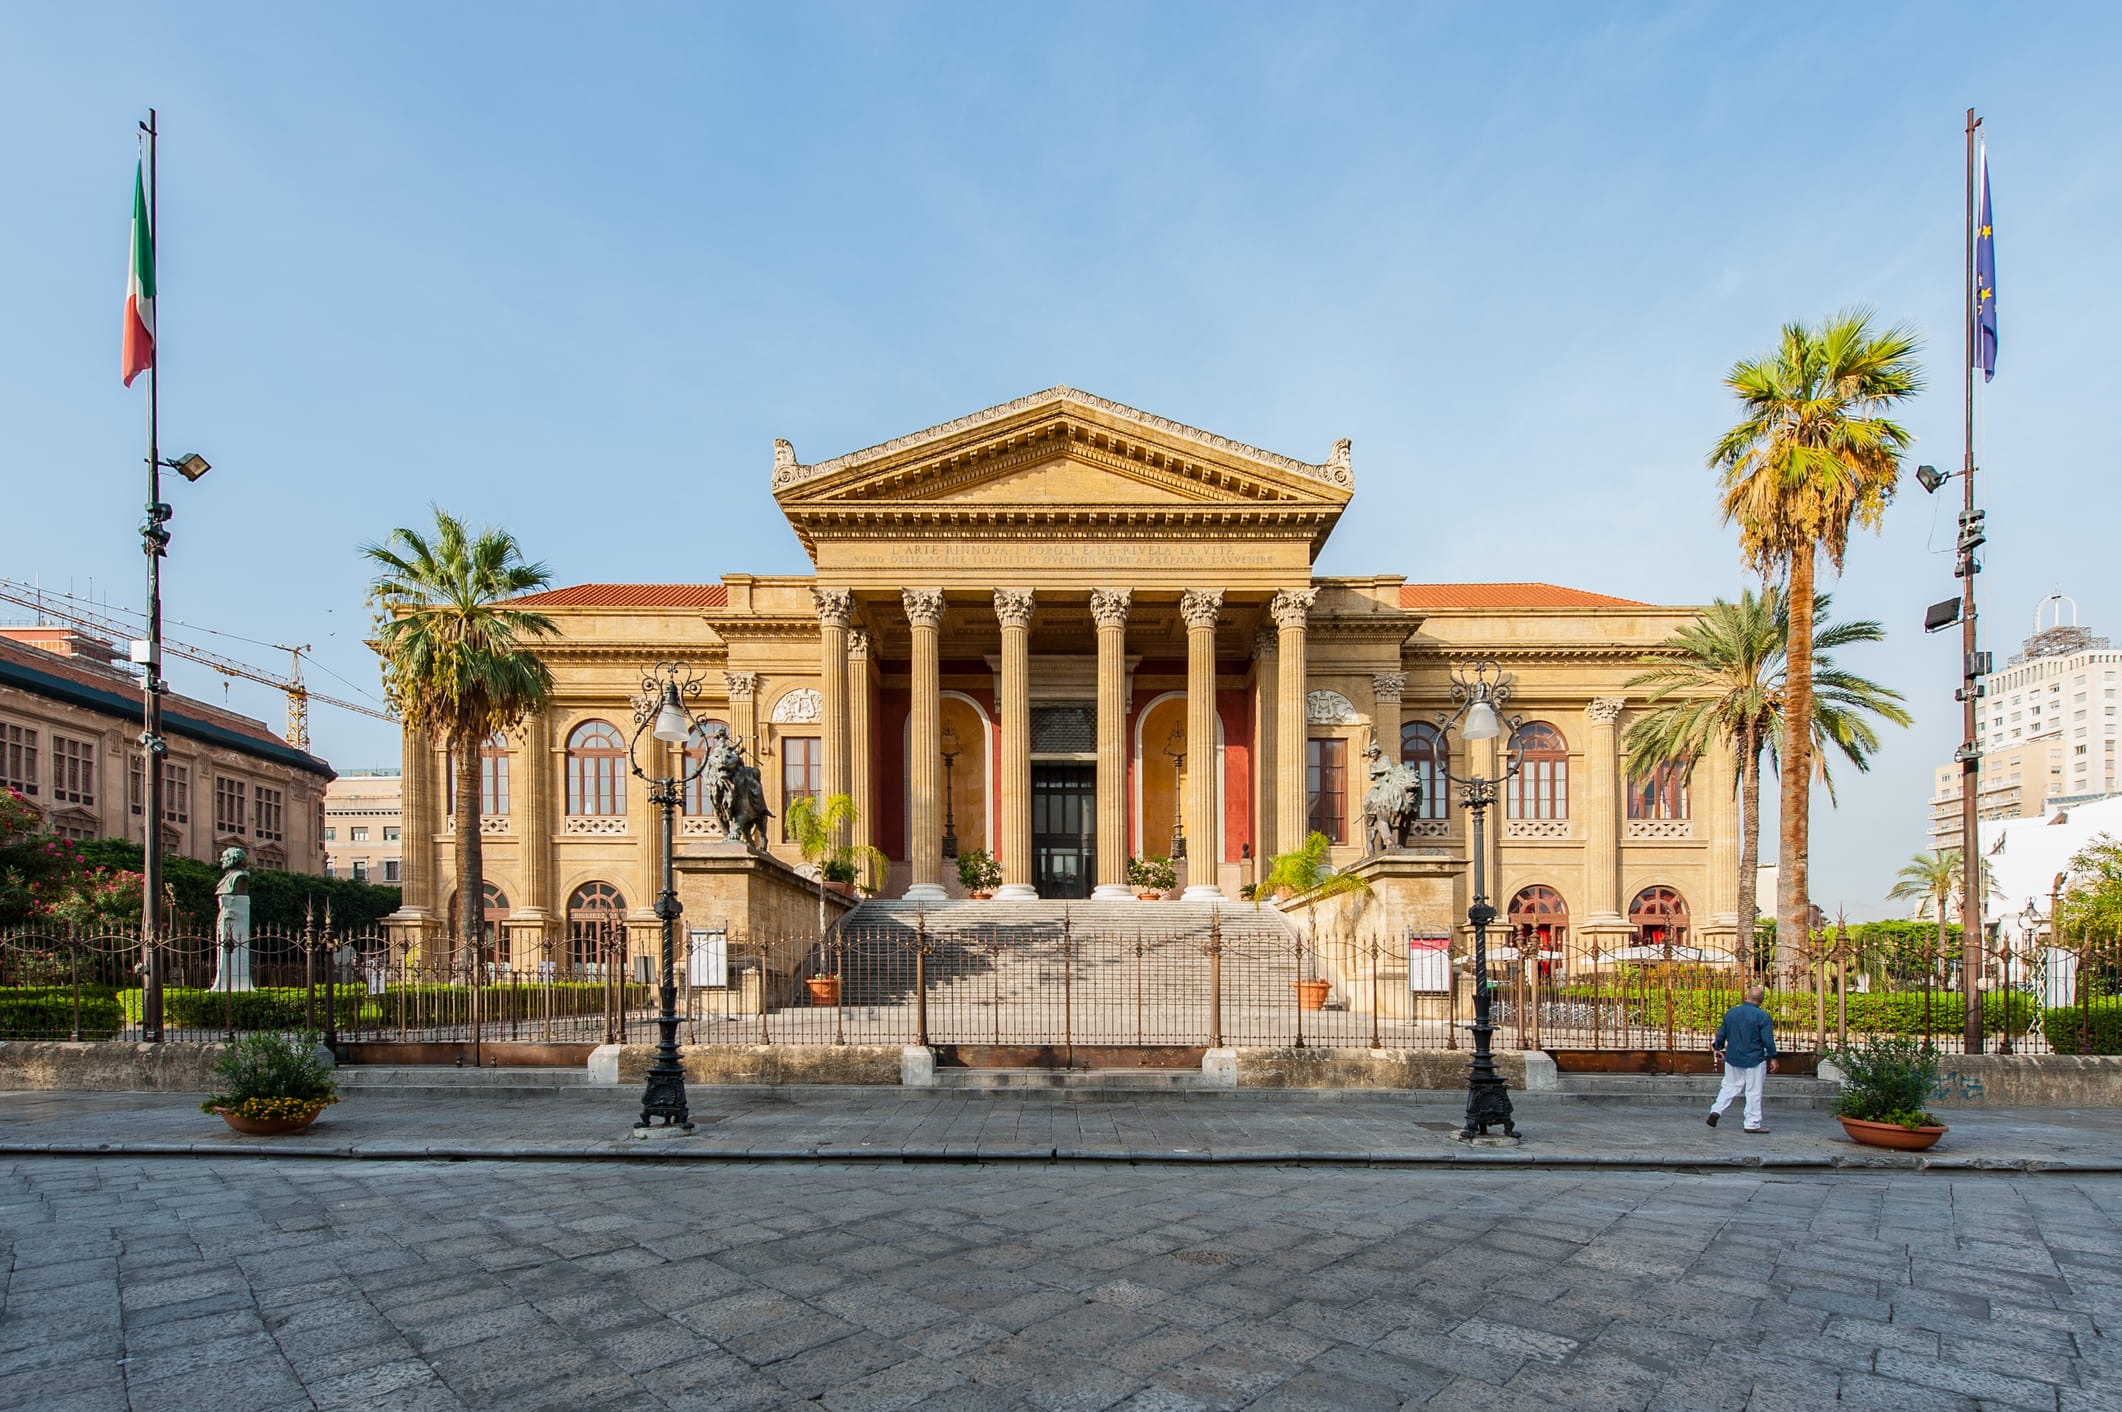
(232, 922)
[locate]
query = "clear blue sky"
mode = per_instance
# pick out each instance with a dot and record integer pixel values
(572, 267)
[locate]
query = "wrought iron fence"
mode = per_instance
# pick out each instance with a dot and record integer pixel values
(1235, 978)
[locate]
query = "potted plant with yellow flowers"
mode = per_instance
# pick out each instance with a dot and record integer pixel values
(276, 1083)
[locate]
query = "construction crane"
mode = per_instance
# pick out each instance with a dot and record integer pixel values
(87, 615)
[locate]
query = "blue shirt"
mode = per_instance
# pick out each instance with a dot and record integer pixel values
(1747, 1036)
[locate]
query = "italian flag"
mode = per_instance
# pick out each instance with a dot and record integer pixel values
(138, 354)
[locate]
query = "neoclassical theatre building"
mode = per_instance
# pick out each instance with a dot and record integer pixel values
(1070, 632)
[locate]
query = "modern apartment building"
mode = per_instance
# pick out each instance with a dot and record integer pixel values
(361, 826)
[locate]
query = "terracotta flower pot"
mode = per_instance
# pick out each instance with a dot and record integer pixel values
(824, 990)
(1891, 1135)
(1150, 895)
(979, 896)
(843, 888)
(268, 1127)
(1311, 995)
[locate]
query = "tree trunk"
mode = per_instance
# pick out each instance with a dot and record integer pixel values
(471, 861)
(1795, 765)
(1749, 842)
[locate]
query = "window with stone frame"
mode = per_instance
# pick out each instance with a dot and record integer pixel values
(1326, 787)
(390, 870)
(271, 813)
(1540, 789)
(802, 772)
(136, 784)
(176, 793)
(1423, 746)
(18, 760)
(1661, 793)
(493, 778)
(596, 770)
(73, 771)
(230, 798)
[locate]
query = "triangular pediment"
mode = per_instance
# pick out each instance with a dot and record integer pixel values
(1062, 448)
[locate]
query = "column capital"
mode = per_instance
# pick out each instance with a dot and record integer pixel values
(1605, 710)
(1266, 642)
(1108, 606)
(836, 606)
(1292, 606)
(1201, 607)
(1013, 606)
(858, 642)
(924, 606)
(1388, 686)
(742, 685)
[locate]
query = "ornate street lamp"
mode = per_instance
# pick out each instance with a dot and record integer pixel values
(1477, 693)
(662, 713)
(951, 748)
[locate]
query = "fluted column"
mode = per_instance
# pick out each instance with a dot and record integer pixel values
(416, 857)
(1386, 689)
(924, 763)
(1602, 810)
(861, 769)
(1291, 609)
(1201, 607)
(1013, 608)
(744, 713)
(835, 607)
(533, 823)
(1267, 786)
(1714, 803)
(1108, 609)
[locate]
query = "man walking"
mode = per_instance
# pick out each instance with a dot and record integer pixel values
(1746, 1046)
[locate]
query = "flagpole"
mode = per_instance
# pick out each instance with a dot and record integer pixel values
(1970, 702)
(154, 541)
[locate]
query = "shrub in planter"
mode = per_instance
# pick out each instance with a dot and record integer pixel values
(272, 1078)
(2092, 1028)
(1152, 874)
(1888, 1080)
(978, 872)
(49, 1012)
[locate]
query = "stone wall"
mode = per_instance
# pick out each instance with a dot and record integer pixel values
(1443, 1069)
(771, 1063)
(125, 1066)
(2028, 1081)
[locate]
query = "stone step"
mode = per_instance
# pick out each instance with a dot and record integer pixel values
(1102, 1080)
(403, 1077)
(1692, 1090)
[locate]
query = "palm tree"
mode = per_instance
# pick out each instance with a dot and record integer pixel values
(816, 829)
(1813, 455)
(1727, 671)
(1305, 873)
(1936, 877)
(454, 663)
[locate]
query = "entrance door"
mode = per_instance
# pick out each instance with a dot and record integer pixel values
(1064, 829)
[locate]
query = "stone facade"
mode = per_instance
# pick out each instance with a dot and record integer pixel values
(1022, 625)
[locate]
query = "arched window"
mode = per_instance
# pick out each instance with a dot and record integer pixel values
(1423, 746)
(596, 769)
(1659, 793)
(1659, 916)
(1539, 923)
(493, 778)
(494, 911)
(695, 753)
(596, 923)
(1540, 789)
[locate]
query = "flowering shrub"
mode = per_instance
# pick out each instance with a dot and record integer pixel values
(272, 1069)
(94, 901)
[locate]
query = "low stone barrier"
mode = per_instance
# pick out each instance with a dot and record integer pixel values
(1529, 1071)
(766, 1063)
(112, 1065)
(2028, 1081)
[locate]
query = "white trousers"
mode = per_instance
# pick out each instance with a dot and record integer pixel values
(1739, 1081)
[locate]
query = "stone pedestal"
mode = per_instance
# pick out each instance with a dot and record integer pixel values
(1409, 894)
(232, 935)
(769, 910)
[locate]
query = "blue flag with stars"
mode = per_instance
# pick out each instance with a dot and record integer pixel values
(1985, 284)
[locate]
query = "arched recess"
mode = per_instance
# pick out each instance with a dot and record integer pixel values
(1659, 915)
(972, 776)
(1539, 925)
(1155, 804)
(494, 910)
(596, 924)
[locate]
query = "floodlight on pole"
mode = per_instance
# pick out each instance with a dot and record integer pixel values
(191, 465)
(1930, 478)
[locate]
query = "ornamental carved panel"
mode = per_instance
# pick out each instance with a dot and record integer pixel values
(801, 707)
(1536, 828)
(1330, 708)
(1651, 829)
(592, 824)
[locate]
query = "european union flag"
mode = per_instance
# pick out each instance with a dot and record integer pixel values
(1985, 284)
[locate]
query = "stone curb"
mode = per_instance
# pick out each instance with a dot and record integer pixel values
(627, 1151)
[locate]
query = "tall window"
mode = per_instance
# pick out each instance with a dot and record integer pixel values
(493, 778)
(1424, 747)
(1660, 794)
(1326, 787)
(695, 753)
(176, 793)
(18, 760)
(1659, 916)
(802, 771)
(136, 783)
(1540, 789)
(73, 771)
(271, 815)
(596, 769)
(390, 870)
(361, 870)
(228, 805)
(596, 922)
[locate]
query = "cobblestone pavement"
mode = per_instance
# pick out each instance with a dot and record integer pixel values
(236, 1285)
(889, 1122)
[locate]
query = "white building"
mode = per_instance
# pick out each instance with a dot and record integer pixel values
(2025, 859)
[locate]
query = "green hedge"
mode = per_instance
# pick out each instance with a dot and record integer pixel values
(1870, 1012)
(48, 1012)
(451, 1004)
(2098, 1024)
(267, 1008)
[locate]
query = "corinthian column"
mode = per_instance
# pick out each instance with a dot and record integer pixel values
(534, 824)
(1201, 607)
(861, 785)
(924, 764)
(1602, 810)
(1291, 608)
(744, 710)
(835, 606)
(1386, 689)
(1108, 608)
(1267, 788)
(1013, 607)
(416, 868)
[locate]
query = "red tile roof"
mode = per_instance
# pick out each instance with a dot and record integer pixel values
(631, 595)
(1506, 595)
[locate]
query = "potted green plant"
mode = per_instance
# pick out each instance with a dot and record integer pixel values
(979, 873)
(1151, 878)
(816, 828)
(1885, 1083)
(1305, 873)
(275, 1083)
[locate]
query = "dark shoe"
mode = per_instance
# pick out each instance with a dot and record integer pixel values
(1712, 1120)
(1755, 1130)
